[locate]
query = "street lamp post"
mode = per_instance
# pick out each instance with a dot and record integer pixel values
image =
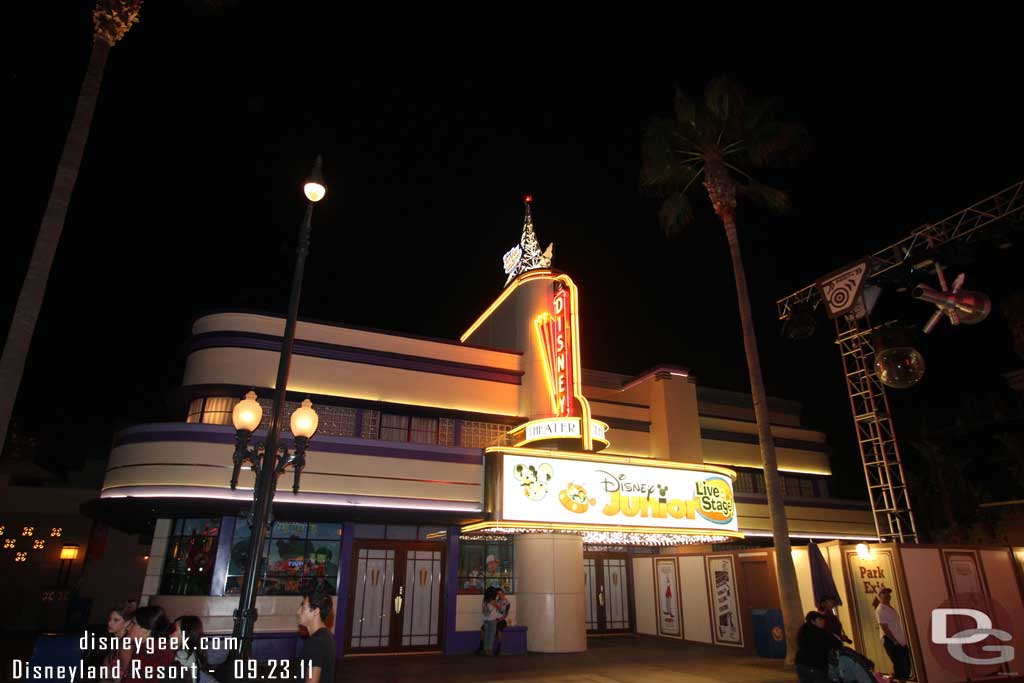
(246, 418)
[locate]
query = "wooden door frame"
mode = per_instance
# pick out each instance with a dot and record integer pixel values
(401, 549)
(630, 610)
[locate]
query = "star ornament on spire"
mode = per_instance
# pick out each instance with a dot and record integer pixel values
(527, 254)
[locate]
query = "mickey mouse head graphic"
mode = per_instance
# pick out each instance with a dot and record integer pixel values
(534, 480)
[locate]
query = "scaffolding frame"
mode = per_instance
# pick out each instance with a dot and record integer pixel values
(872, 419)
(876, 438)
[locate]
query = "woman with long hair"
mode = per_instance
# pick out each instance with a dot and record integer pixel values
(188, 630)
(153, 655)
(118, 622)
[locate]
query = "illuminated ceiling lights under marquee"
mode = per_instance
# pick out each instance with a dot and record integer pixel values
(608, 499)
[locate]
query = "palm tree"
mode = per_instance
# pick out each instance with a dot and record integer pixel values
(717, 142)
(111, 20)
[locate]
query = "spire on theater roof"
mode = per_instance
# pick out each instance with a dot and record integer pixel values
(526, 255)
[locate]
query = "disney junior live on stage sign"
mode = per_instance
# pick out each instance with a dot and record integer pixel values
(604, 493)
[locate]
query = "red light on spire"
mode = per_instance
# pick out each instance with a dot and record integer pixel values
(528, 199)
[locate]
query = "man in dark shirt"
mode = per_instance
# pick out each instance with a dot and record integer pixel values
(316, 663)
(814, 644)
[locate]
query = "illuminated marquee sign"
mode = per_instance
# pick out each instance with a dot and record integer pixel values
(577, 491)
(554, 334)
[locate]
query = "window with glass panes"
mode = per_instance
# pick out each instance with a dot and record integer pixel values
(213, 410)
(486, 563)
(299, 557)
(191, 553)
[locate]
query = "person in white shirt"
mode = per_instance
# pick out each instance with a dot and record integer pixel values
(893, 637)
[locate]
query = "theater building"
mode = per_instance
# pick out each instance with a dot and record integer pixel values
(602, 502)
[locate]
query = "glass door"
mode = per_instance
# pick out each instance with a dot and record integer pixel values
(395, 600)
(606, 589)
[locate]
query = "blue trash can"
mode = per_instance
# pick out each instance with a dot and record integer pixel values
(769, 633)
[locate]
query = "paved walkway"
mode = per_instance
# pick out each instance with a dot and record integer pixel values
(607, 660)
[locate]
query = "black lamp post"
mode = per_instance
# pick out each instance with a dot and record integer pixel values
(264, 460)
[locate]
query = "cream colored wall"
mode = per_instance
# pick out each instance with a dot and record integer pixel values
(809, 521)
(922, 570)
(611, 409)
(643, 596)
(468, 616)
(252, 367)
(1006, 591)
(802, 564)
(693, 591)
(173, 463)
(627, 442)
(277, 613)
(735, 413)
(746, 427)
(732, 454)
(342, 336)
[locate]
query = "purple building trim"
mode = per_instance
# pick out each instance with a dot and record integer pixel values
(223, 558)
(266, 342)
(451, 590)
(183, 431)
(344, 580)
(285, 645)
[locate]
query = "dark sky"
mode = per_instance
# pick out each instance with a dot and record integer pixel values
(189, 195)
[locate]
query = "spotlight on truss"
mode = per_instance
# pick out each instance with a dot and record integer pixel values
(959, 305)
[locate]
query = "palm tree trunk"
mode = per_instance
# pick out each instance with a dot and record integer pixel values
(723, 197)
(30, 299)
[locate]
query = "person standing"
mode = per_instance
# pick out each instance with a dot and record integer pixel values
(490, 614)
(814, 645)
(504, 606)
(893, 638)
(316, 662)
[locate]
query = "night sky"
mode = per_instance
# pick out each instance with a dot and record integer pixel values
(189, 197)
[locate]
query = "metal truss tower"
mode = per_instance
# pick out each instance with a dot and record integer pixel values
(876, 437)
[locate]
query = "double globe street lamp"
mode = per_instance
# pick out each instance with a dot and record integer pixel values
(263, 458)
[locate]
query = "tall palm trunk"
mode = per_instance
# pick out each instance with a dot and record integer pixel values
(722, 192)
(30, 300)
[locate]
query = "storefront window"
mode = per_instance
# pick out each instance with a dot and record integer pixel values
(299, 556)
(191, 552)
(486, 563)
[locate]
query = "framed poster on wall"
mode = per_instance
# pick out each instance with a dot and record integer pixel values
(666, 593)
(725, 614)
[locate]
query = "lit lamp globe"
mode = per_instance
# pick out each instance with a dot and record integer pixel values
(898, 363)
(304, 420)
(247, 413)
(314, 187)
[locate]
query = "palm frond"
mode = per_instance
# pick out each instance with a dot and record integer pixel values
(684, 108)
(768, 197)
(775, 143)
(725, 99)
(676, 213)
(667, 166)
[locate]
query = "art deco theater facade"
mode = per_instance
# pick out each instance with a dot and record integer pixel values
(600, 502)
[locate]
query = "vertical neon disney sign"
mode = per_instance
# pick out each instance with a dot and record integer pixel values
(554, 335)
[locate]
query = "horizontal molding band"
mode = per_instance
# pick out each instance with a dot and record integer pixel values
(272, 343)
(740, 437)
(624, 423)
(218, 434)
(304, 472)
(244, 495)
